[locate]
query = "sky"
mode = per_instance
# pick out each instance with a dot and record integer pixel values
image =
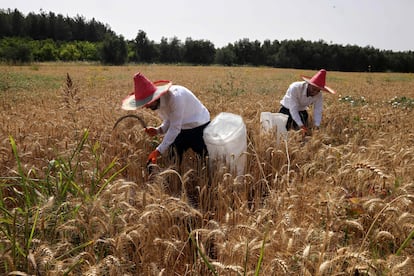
(382, 24)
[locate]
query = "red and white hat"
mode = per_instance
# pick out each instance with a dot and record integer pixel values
(145, 92)
(318, 80)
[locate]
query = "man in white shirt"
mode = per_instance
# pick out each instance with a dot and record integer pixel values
(299, 96)
(184, 116)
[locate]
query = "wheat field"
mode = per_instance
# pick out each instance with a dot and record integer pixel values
(77, 198)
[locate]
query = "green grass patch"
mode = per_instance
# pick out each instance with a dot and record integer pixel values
(354, 101)
(12, 81)
(402, 102)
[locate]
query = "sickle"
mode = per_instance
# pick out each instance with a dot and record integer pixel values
(141, 121)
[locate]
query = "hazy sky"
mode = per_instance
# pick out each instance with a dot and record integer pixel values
(382, 24)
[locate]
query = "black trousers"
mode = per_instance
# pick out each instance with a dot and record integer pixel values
(189, 138)
(291, 124)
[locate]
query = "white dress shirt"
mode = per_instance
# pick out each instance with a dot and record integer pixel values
(296, 100)
(179, 109)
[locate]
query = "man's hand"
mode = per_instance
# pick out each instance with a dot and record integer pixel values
(304, 130)
(152, 158)
(151, 131)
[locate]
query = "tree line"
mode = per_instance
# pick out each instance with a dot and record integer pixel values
(53, 37)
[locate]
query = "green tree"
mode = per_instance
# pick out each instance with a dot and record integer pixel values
(69, 52)
(287, 57)
(17, 20)
(114, 50)
(88, 50)
(269, 50)
(45, 50)
(79, 28)
(32, 25)
(199, 51)
(62, 29)
(225, 56)
(171, 51)
(6, 28)
(15, 50)
(145, 50)
(248, 52)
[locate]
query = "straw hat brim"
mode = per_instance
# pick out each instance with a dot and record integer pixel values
(130, 103)
(325, 88)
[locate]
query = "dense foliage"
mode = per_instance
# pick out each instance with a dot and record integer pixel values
(51, 37)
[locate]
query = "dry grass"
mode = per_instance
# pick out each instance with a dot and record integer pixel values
(340, 203)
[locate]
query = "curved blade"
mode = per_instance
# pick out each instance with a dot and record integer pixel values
(141, 121)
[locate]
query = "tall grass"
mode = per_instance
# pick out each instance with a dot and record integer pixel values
(21, 210)
(77, 199)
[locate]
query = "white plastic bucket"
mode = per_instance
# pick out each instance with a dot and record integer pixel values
(274, 123)
(226, 141)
